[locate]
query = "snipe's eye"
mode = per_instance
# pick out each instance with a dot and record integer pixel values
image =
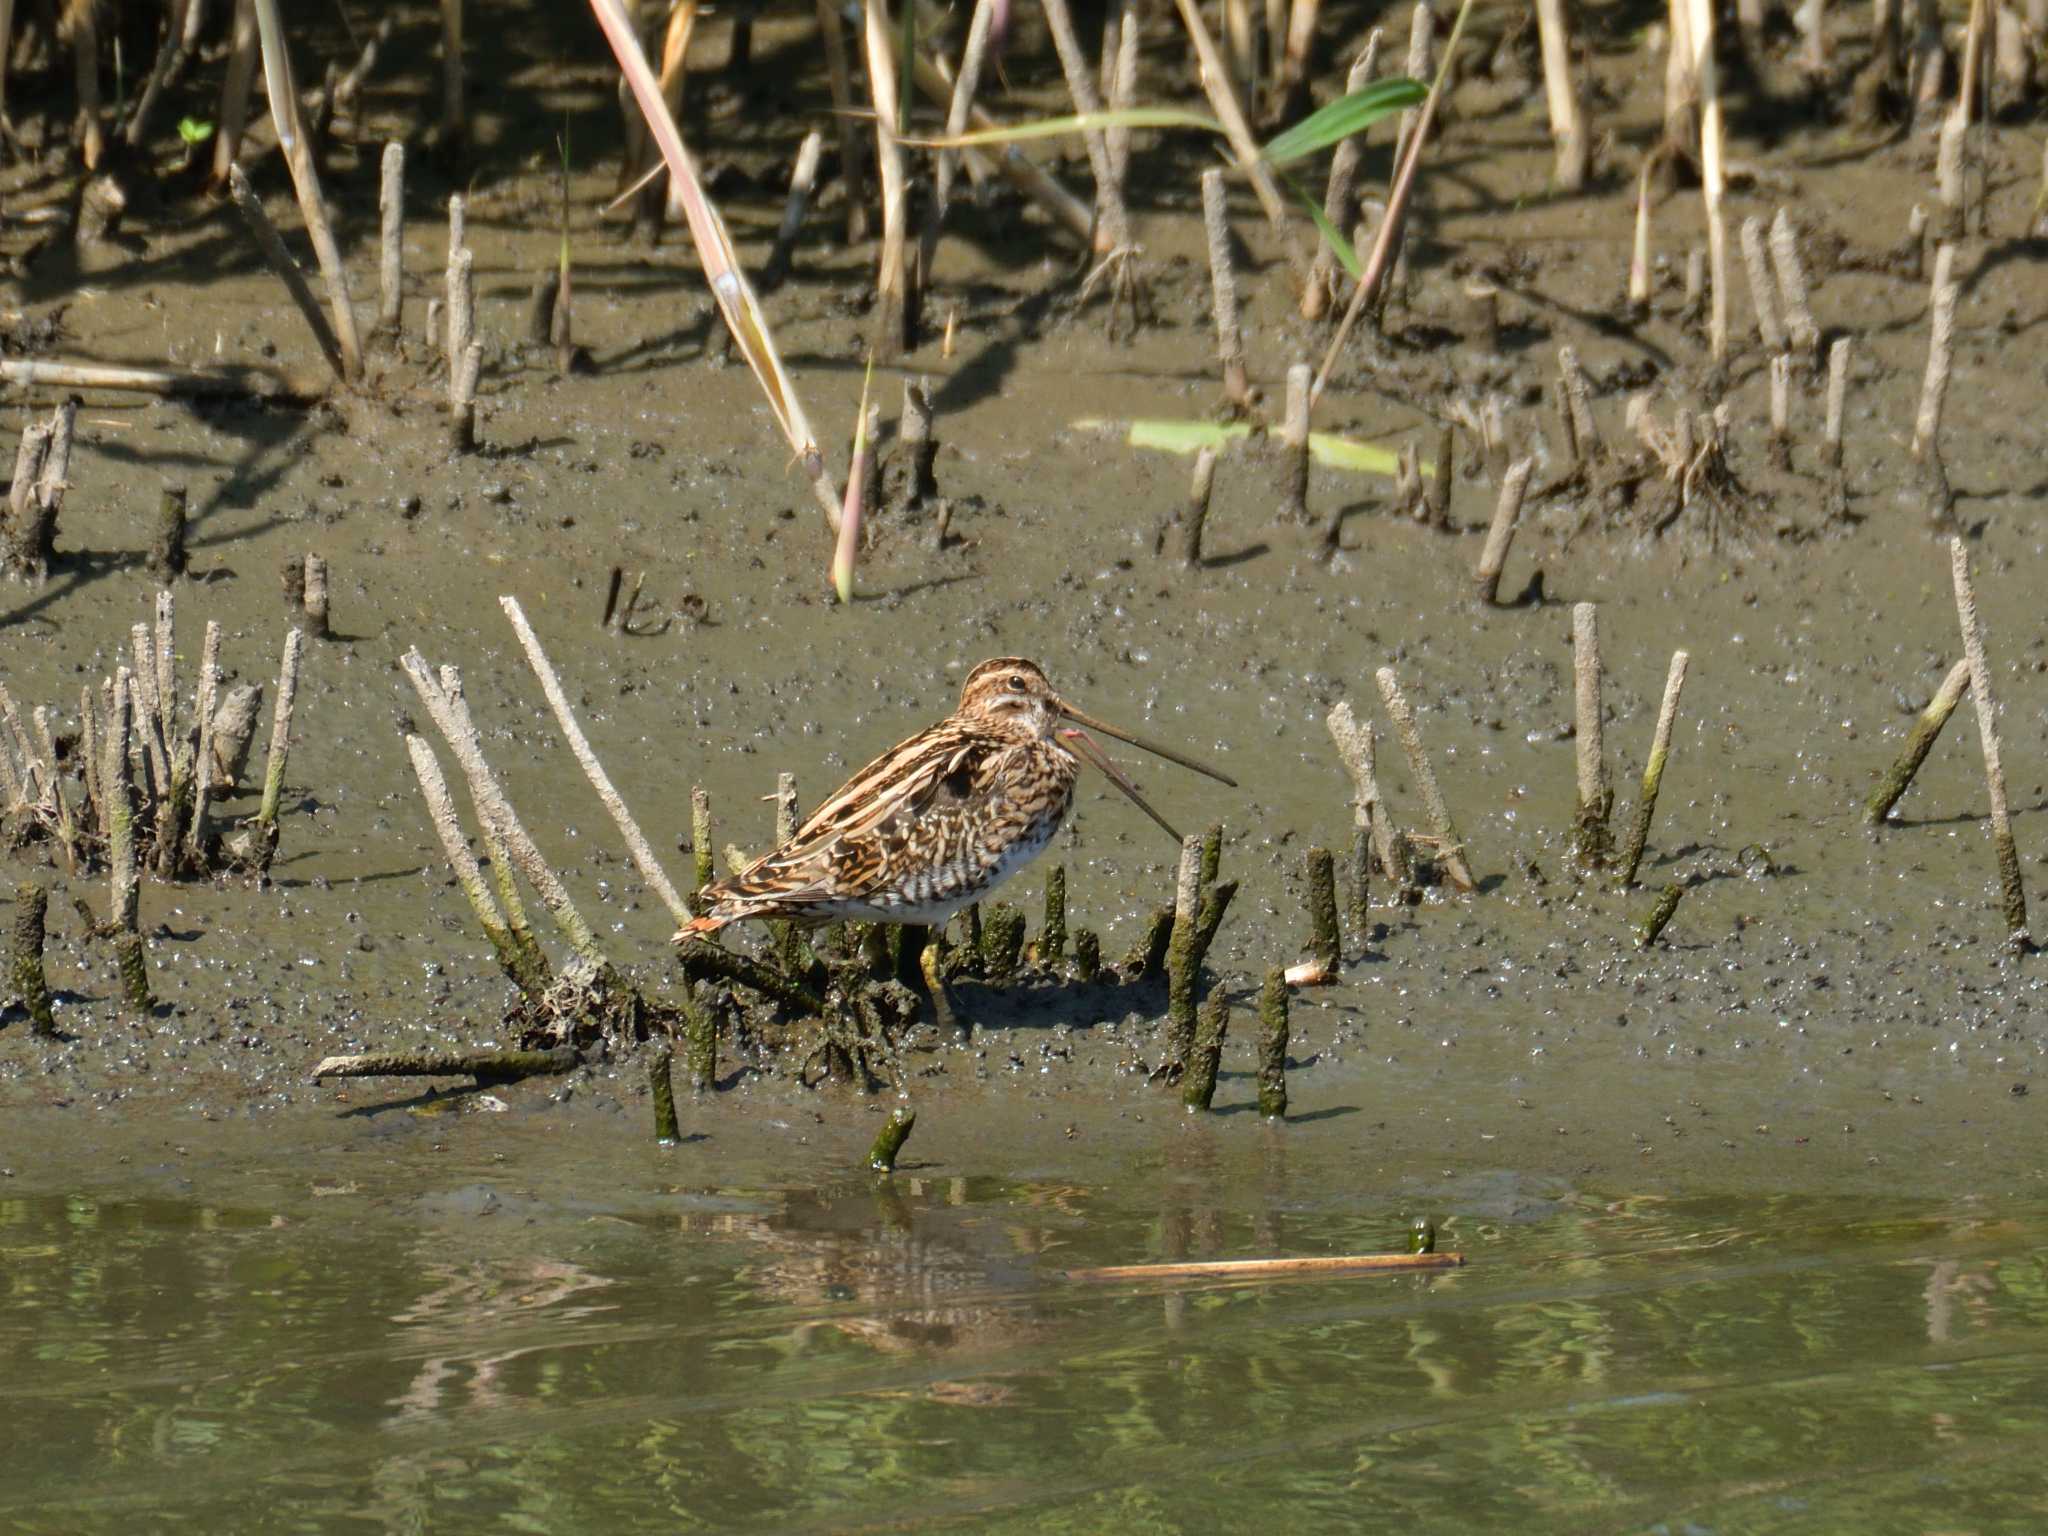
(1016, 682)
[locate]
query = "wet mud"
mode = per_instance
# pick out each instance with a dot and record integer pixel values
(1830, 1007)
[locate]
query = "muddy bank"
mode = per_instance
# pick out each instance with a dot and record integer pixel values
(1841, 1012)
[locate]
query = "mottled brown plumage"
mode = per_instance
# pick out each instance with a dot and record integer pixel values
(937, 821)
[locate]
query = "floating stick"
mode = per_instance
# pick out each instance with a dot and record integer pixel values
(1450, 847)
(1273, 1045)
(1500, 535)
(1268, 1269)
(1653, 770)
(889, 1143)
(1596, 798)
(1919, 742)
(2012, 893)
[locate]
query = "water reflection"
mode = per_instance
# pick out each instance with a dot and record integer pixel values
(906, 1356)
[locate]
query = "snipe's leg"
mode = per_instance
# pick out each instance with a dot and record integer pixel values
(931, 963)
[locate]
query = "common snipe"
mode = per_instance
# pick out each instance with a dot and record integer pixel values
(940, 820)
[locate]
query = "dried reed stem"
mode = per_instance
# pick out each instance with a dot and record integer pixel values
(1197, 516)
(1838, 394)
(847, 111)
(636, 841)
(1450, 849)
(1653, 770)
(469, 874)
(966, 81)
(1596, 798)
(1639, 252)
(196, 835)
(1919, 742)
(316, 598)
(1756, 262)
(2012, 892)
(1216, 78)
(1112, 215)
(1713, 183)
(1355, 747)
(1578, 393)
(1501, 534)
(462, 382)
(1325, 949)
(280, 748)
(1780, 447)
(1799, 322)
(1567, 117)
(391, 241)
(1223, 290)
(298, 156)
(895, 305)
(279, 260)
(236, 85)
(1340, 200)
(1941, 350)
(123, 875)
(1293, 446)
(803, 179)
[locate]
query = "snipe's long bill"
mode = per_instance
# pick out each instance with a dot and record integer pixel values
(942, 819)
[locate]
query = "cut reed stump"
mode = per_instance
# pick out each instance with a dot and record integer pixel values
(668, 1131)
(1198, 1086)
(1273, 1045)
(1919, 742)
(2012, 892)
(889, 1141)
(31, 904)
(1653, 770)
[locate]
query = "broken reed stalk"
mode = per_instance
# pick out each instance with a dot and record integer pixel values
(167, 549)
(280, 750)
(1223, 290)
(517, 960)
(1639, 251)
(1713, 178)
(1293, 450)
(462, 381)
(271, 244)
(702, 861)
(391, 241)
(895, 304)
(1587, 445)
(123, 877)
(42, 476)
(1112, 215)
(298, 156)
(1653, 770)
(1183, 960)
(1940, 355)
(1325, 946)
(506, 837)
(1756, 262)
(668, 1131)
(579, 744)
(1386, 239)
(1590, 838)
(966, 81)
(1198, 1085)
(1919, 742)
(1507, 511)
(1355, 746)
(1273, 1045)
(1838, 396)
(847, 112)
(1197, 517)
(1340, 201)
(1450, 847)
(1779, 447)
(2012, 892)
(803, 180)
(485, 1066)
(1215, 80)
(1799, 322)
(1653, 926)
(174, 382)
(888, 1145)
(315, 599)
(31, 986)
(1567, 116)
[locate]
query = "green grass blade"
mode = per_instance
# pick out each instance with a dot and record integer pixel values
(1347, 258)
(1060, 127)
(1342, 118)
(1185, 437)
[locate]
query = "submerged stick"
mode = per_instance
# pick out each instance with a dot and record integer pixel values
(889, 1141)
(2012, 892)
(1919, 742)
(1273, 1045)
(1653, 770)
(1450, 847)
(31, 904)
(1268, 1269)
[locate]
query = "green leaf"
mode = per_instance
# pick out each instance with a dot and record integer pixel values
(1342, 118)
(193, 131)
(1347, 258)
(1185, 437)
(1060, 127)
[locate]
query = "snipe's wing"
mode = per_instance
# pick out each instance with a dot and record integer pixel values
(872, 830)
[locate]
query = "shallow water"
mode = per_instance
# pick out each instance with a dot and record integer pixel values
(488, 1351)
